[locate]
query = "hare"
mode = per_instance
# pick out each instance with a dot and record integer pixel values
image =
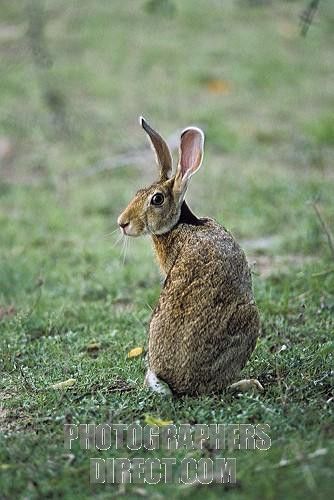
(205, 325)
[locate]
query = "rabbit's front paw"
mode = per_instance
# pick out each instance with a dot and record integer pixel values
(246, 385)
(156, 385)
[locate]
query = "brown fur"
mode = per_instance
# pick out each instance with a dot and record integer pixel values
(205, 325)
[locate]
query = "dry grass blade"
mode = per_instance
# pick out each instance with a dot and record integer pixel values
(118, 385)
(325, 227)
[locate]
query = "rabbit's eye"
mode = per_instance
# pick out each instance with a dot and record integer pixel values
(158, 199)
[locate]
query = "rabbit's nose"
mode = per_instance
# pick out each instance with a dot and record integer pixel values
(121, 223)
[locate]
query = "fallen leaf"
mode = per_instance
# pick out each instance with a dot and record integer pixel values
(65, 384)
(288, 30)
(217, 86)
(93, 348)
(135, 352)
(150, 420)
(93, 345)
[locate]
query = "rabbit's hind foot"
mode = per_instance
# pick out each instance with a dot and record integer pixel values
(246, 385)
(156, 385)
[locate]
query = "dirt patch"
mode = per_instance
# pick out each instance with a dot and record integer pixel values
(14, 421)
(3, 414)
(266, 266)
(122, 304)
(11, 31)
(7, 311)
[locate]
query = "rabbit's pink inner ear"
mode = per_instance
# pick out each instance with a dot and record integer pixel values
(191, 151)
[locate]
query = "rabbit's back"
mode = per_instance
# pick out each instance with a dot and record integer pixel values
(205, 325)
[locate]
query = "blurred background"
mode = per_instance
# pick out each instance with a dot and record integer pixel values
(74, 300)
(76, 75)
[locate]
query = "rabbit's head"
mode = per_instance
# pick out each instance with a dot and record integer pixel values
(156, 209)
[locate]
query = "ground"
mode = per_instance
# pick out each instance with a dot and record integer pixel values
(74, 79)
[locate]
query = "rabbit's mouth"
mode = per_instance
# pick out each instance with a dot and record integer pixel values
(130, 227)
(129, 230)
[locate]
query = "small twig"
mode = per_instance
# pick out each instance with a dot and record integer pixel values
(325, 227)
(117, 386)
(323, 273)
(284, 395)
(306, 17)
(320, 452)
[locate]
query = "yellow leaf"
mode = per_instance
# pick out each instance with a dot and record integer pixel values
(65, 384)
(150, 420)
(218, 86)
(93, 346)
(288, 30)
(137, 351)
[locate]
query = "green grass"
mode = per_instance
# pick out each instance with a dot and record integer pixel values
(66, 284)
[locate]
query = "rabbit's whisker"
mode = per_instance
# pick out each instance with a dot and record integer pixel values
(125, 248)
(110, 234)
(117, 241)
(122, 249)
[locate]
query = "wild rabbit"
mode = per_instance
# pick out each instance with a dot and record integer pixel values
(205, 325)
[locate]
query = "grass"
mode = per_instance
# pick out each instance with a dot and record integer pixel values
(262, 95)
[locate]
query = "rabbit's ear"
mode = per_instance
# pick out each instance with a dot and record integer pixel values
(160, 147)
(191, 156)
